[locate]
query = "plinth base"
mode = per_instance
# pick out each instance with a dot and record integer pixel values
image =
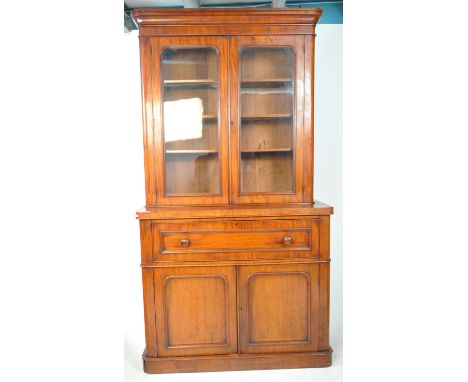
(236, 362)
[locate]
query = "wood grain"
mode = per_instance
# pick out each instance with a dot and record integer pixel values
(235, 252)
(241, 211)
(236, 240)
(278, 308)
(266, 177)
(237, 362)
(197, 311)
(199, 179)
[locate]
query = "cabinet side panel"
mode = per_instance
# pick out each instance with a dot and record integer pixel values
(148, 288)
(324, 284)
(150, 314)
(146, 241)
(324, 309)
(147, 115)
(308, 118)
(325, 238)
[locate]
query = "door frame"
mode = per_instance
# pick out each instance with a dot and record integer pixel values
(301, 139)
(157, 166)
(161, 277)
(245, 276)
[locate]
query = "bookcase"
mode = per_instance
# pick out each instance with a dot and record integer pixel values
(234, 249)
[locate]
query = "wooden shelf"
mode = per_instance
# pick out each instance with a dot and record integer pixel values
(256, 117)
(191, 151)
(265, 82)
(209, 117)
(272, 150)
(203, 83)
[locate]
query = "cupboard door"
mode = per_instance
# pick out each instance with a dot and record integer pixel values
(195, 311)
(278, 308)
(190, 84)
(267, 112)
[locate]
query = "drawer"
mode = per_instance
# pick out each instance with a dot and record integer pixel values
(236, 240)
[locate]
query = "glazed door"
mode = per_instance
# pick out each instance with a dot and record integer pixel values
(190, 87)
(278, 308)
(267, 116)
(196, 312)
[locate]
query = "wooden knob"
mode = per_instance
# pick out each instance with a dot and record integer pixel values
(184, 242)
(287, 240)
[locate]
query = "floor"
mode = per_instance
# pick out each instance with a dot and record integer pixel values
(134, 371)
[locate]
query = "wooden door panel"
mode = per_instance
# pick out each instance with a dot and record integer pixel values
(186, 299)
(278, 308)
(288, 296)
(196, 311)
(268, 136)
(190, 97)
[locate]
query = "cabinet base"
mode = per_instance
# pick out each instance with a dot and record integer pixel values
(236, 362)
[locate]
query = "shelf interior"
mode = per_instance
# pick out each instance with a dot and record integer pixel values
(196, 83)
(267, 171)
(267, 150)
(191, 151)
(265, 82)
(192, 173)
(209, 117)
(256, 117)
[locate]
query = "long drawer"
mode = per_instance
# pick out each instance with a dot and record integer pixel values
(242, 240)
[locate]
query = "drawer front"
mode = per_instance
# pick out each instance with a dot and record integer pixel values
(258, 240)
(236, 240)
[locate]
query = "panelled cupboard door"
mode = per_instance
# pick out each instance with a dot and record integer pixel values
(197, 311)
(189, 82)
(278, 308)
(267, 119)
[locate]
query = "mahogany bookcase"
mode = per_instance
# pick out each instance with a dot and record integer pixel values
(234, 249)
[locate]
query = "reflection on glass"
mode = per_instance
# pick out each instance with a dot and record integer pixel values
(183, 119)
(267, 119)
(191, 102)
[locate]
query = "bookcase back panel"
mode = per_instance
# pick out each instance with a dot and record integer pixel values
(267, 108)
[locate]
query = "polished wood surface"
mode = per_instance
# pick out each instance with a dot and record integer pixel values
(237, 362)
(225, 22)
(206, 174)
(240, 211)
(278, 307)
(267, 177)
(257, 142)
(197, 314)
(235, 251)
(243, 240)
(268, 300)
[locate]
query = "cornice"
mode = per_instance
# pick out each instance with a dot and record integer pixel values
(222, 16)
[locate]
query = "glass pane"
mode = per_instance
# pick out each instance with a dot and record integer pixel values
(191, 102)
(267, 119)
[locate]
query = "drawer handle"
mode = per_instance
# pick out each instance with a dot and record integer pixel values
(287, 240)
(184, 242)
